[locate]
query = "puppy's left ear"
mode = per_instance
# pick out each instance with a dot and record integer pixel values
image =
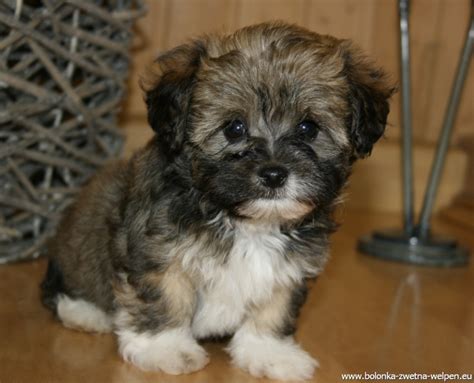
(168, 87)
(369, 93)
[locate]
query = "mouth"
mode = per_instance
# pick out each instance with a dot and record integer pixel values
(280, 209)
(281, 204)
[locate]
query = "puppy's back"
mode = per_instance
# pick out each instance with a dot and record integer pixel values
(81, 253)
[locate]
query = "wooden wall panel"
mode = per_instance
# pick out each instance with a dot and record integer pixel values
(251, 11)
(438, 29)
(352, 19)
(150, 34)
(376, 182)
(190, 18)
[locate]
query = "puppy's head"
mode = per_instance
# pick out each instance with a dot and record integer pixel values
(271, 117)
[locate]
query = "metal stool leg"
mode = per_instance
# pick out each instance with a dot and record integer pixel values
(446, 132)
(407, 161)
(416, 244)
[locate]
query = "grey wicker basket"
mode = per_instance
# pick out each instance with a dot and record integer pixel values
(63, 66)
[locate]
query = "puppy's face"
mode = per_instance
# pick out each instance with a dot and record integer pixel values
(271, 117)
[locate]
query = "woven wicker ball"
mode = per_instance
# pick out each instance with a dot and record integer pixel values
(63, 66)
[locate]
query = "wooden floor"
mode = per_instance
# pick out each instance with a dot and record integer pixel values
(362, 315)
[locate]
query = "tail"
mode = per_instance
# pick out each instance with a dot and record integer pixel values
(52, 286)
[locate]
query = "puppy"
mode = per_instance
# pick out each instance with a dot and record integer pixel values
(215, 226)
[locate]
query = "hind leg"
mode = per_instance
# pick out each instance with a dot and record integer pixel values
(82, 315)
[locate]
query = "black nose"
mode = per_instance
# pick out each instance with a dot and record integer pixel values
(273, 176)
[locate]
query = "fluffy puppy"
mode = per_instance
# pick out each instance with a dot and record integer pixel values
(214, 227)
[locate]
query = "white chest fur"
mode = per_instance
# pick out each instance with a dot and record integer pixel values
(255, 265)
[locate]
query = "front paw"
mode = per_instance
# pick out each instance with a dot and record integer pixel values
(172, 351)
(280, 359)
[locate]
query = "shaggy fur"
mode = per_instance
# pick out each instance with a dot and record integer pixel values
(190, 239)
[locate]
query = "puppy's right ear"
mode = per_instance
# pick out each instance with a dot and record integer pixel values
(168, 88)
(369, 94)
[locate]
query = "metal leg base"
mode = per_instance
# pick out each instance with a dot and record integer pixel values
(396, 245)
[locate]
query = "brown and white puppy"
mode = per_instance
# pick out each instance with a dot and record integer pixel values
(214, 227)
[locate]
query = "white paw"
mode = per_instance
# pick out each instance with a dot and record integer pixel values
(82, 315)
(280, 359)
(173, 351)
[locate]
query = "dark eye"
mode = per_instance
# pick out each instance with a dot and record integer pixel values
(307, 130)
(235, 130)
